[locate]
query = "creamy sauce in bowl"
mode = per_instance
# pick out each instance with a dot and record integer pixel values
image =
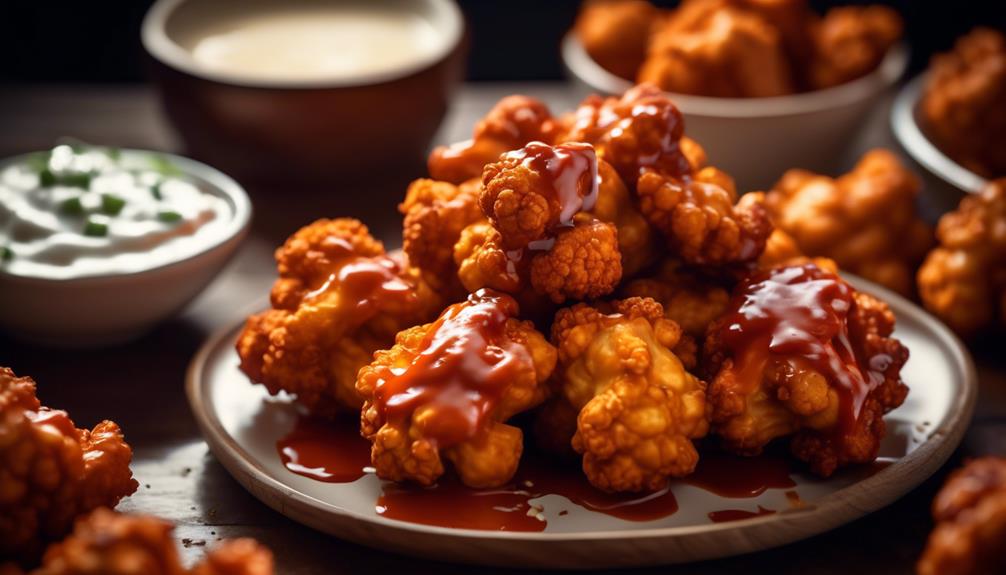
(81, 211)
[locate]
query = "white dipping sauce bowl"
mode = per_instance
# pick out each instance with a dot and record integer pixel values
(756, 140)
(101, 310)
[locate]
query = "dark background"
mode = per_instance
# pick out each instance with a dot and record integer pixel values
(97, 41)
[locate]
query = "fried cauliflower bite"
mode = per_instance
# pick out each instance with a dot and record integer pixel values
(850, 42)
(511, 123)
(434, 215)
(615, 204)
(50, 471)
(963, 105)
(615, 33)
(970, 516)
(639, 410)
(446, 389)
(963, 280)
(865, 220)
(339, 297)
(714, 48)
(800, 353)
(701, 218)
(109, 543)
(690, 298)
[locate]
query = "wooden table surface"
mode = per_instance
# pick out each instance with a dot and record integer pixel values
(140, 385)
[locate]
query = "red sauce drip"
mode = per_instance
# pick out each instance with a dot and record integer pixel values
(737, 514)
(464, 367)
(800, 314)
(570, 172)
(737, 477)
(794, 499)
(325, 450)
(365, 284)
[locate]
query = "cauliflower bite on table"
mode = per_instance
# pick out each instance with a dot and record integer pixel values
(616, 32)
(963, 107)
(865, 220)
(800, 353)
(695, 207)
(970, 516)
(339, 297)
(513, 122)
(963, 280)
(446, 389)
(50, 471)
(109, 543)
(638, 409)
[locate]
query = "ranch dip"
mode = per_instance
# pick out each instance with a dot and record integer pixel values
(80, 211)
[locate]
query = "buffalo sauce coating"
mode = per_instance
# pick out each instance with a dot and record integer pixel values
(364, 284)
(800, 314)
(465, 364)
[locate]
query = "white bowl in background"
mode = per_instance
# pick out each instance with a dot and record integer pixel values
(757, 139)
(99, 310)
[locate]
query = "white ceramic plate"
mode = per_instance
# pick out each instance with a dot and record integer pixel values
(241, 425)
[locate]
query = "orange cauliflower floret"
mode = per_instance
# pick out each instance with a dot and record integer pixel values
(109, 543)
(512, 122)
(435, 213)
(970, 515)
(616, 32)
(712, 48)
(689, 297)
(50, 472)
(963, 106)
(800, 353)
(850, 42)
(339, 297)
(582, 263)
(865, 220)
(639, 410)
(446, 389)
(963, 280)
(615, 204)
(701, 218)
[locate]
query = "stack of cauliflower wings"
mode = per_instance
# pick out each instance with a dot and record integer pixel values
(574, 268)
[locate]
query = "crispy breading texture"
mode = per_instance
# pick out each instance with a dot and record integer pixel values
(690, 298)
(616, 33)
(963, 280)
(970, 515)
(339, 298)
(51, 472)
(412, 447)
(963, 106)
(757, 395)
(511, 123)
(109, 543)
(865, 220)
(701, 218)
(639, 410)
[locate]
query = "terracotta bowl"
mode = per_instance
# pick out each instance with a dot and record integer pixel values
(271, 130)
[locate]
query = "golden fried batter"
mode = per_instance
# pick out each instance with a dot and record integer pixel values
(850, 42)
(689, 297)
(513, 122)
(50, 471)
(639, 410)
(109, 543)
(800, 353)
(970, 515)
(963, 280)
(339, 298)
(616, 32)
(865, 220)
(963, 107)
(446, 389)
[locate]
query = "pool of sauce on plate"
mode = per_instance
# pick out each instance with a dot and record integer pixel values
(739, 477)
(725, 515)
(325, 450)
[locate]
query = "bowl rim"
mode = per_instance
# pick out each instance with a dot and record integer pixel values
(908, 133)
(887, 73)
(222, 184)
(162, 48)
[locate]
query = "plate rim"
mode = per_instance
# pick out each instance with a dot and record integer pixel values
(847, 504)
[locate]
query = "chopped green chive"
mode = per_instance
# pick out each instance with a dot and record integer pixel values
(155, 191)
(76, 179)
(72, 206)
(46, 178)
(164, 166)
(6, 254)
(38, 162)
(114, 154)
(111, 204)
(168, 216)
(95, 228)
